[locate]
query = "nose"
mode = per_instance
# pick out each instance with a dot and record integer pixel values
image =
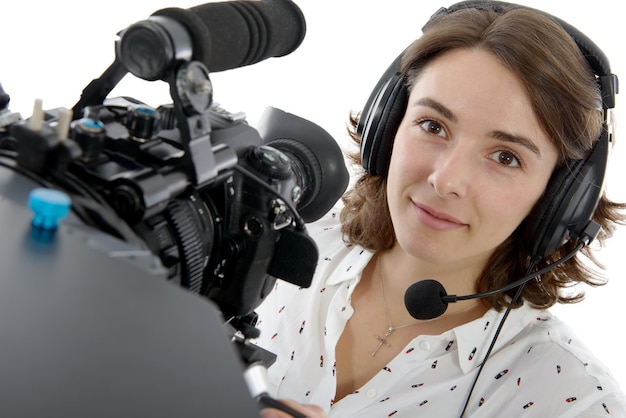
(452, 173)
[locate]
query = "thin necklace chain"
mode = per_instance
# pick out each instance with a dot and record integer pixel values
(390, 327)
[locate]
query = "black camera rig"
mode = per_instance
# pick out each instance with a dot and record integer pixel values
(185, 191)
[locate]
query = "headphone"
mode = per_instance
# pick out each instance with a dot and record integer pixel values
(575, 188)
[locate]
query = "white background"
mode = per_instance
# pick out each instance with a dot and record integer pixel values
(52, 50)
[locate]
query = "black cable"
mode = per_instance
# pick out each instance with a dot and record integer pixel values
(491, 346)
(266, 401)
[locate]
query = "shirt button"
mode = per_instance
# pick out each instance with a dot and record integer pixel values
(425, 345)
(371, 393)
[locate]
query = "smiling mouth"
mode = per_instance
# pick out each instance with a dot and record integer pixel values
(437, 220)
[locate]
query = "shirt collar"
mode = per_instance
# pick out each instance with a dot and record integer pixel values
(474, 338)
(352, 265)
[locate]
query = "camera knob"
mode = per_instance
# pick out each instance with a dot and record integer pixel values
(89, 134)
(270, 162)
(142, 122)
(49, 207)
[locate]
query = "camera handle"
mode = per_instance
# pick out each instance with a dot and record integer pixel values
(256, 361)
(256, 378)
(99, 88)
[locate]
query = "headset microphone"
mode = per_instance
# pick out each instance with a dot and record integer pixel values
(428, 299)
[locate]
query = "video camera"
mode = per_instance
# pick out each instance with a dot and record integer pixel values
(186, 192)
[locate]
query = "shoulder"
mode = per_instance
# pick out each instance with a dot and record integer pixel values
(328, 227)
(327, 234)
(538, 365)
(558, 360)
(339, 260)
(544, 331)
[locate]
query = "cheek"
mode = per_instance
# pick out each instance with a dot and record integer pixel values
(407, 161)
(405, 171)
(511, 208)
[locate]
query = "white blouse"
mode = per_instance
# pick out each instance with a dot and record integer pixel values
(538, 367)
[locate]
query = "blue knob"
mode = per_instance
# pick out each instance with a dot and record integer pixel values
(49, 207)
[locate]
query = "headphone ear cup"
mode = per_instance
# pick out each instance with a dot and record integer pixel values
(568, 204)
(541, 224)
(379, 123)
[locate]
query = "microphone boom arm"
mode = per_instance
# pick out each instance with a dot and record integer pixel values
(591, 232)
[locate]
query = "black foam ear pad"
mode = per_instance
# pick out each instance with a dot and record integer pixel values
(379, 124)
(569, 202)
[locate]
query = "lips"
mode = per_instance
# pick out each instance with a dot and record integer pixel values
(437, 220)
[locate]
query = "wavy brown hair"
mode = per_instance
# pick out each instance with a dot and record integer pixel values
(566, 100)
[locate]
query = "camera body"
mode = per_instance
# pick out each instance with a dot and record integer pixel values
(158, 195)
(185, 193)
(216, 223)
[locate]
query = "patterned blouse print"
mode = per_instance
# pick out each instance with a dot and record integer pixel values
(538, 367)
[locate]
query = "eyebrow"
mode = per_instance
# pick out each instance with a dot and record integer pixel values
(517, 139)
(500, 135)
(435, 105)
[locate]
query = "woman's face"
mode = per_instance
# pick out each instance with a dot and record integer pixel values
(469, 160)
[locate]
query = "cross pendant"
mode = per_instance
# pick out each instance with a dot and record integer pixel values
(383, 340)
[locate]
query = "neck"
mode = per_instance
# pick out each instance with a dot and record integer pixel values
(398, 271)
(401, 270)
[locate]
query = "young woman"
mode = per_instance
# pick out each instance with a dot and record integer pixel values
(501, 111)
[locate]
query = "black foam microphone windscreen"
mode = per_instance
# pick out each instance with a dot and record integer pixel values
(423, 299)
(232, 34)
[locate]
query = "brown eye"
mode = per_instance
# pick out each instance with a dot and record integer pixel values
(433, 128)
(506, 158)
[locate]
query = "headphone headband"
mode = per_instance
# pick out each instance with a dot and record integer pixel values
(595, 57)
